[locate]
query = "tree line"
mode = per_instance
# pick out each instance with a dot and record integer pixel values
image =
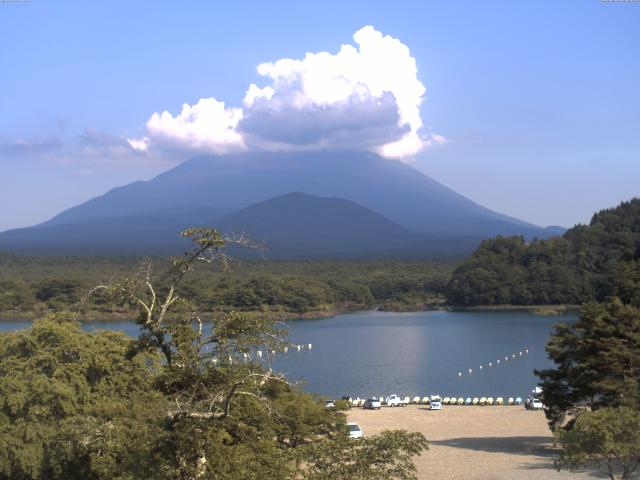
(41, 284)
(588, 263)
(592, 262)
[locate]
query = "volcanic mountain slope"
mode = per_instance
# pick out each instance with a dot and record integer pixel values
(298, 225)
(398, 195)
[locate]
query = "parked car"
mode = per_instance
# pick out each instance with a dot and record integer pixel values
(396, 401)
(354, 430)
(372, 404)
(329, 404)
(436, 402)
(536, 404)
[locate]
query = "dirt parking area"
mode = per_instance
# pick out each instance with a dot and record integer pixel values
(486, 443)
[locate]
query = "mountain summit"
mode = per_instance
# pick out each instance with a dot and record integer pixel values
(337, 194)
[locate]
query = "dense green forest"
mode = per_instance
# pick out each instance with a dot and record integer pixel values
(589, 262)
(31, 284)
(176, 403)
(592, 262)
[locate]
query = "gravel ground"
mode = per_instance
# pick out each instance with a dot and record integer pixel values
(486, 443)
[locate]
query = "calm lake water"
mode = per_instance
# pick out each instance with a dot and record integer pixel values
(378, 353)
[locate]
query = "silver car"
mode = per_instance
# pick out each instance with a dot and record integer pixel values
(372, 404)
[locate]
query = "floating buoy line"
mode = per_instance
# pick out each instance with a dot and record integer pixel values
(260, 355)
(500, 361)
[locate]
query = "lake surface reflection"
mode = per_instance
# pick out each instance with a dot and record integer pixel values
(378, 353)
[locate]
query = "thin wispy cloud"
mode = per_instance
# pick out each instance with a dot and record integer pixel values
(95, 148)
(367, 96)
(28, 146)
(88, 150)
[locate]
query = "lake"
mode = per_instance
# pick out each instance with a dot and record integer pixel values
(379, 353)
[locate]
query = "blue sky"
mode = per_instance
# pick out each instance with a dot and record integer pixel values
(539, 101)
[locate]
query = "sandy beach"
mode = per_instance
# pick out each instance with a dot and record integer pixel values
(485, 443)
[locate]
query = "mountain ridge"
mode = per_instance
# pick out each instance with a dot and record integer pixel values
(230, 183)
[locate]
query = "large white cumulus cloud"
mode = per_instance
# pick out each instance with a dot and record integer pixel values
(366, 96)
(208, 125)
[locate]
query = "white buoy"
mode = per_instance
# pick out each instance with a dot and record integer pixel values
(520, 353)
(506, 358)
(498, 362)
(513, 355)
(480, 367)
(490, 364)
(459, 374)
(470, 371)
(309, 346)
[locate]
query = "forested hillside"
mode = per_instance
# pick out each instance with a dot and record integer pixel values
(31, 284)
(589, 262)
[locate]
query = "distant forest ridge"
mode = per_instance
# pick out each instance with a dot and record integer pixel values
(589, 262)
(31, 286)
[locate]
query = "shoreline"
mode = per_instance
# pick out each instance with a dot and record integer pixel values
(547, 309)
(93, 316)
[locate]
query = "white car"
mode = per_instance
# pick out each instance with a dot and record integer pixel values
(436, 402)
(329, 404)
(372, 404)
(354, 430)
(536, 404)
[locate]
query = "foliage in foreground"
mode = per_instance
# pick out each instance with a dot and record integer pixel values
(597, 362)
(73, 406)
(607, 439)
(180, 402)
(384, 456)
(592, 396)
